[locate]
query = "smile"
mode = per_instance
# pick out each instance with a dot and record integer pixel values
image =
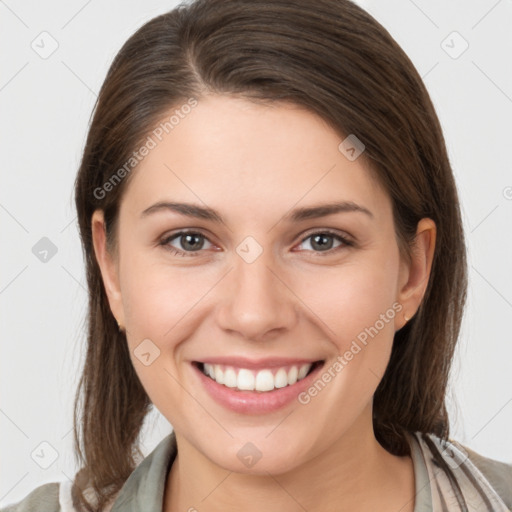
(266, 379)
(238, 391)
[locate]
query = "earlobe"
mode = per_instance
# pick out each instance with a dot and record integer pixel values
(108, 266)
(416, 274)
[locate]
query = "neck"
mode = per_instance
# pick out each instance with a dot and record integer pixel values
(354, 474)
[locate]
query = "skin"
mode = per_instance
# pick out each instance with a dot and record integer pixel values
(254, 163)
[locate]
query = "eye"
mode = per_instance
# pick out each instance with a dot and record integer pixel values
(190, 242)
(322, 241)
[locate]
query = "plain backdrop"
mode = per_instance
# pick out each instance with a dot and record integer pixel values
(46, 102)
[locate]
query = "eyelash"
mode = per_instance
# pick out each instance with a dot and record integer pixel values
(166, 240)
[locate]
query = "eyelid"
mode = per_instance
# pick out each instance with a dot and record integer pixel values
(343, 235)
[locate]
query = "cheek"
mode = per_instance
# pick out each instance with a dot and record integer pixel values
(162, 304)
(353, 297)
(161, 299)
(357, 305)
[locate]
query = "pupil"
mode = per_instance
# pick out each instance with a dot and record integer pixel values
(322, 245)
(187, 239)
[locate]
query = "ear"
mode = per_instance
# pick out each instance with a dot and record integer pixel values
(108, 266)
(415, 275)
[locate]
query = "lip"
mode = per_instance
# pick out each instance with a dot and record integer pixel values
(257, 364)
(255, 402)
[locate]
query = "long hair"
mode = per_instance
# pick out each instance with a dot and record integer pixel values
(334, 59)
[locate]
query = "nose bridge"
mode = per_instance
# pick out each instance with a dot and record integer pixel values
(256, 301)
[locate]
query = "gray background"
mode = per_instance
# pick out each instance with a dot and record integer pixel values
(46, 104)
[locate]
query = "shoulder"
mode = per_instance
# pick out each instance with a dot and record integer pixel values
(480, 472)
(44, 498)
(498, 474)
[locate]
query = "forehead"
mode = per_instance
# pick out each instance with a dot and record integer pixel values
(247, 158)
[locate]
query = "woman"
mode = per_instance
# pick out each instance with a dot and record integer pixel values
(276, 261)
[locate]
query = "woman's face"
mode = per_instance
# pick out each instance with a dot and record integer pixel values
(276, 279)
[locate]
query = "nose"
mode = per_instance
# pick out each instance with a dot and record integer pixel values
(257, 300)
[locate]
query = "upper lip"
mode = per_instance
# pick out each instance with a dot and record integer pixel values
(267, 362)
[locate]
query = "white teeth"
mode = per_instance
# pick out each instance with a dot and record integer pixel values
(216, 373)
(230, 378)
(292, 375)
(262, 380)
(304, 369)
(265, 381)
(281, 378)
(245, 380)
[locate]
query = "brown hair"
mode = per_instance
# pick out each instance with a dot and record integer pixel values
(333, 58)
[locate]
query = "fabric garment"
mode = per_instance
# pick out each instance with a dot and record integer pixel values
(485, 484)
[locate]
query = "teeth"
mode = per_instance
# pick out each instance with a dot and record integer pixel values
(262, 380)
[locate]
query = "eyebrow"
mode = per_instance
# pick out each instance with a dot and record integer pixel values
(297, 215)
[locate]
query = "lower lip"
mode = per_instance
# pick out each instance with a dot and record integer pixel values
(255, 402)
